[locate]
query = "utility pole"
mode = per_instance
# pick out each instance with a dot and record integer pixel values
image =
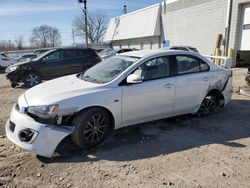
(86, 20)
(73, 36)
(125, 9)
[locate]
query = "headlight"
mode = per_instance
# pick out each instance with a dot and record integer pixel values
(44, 111)
(11, 69)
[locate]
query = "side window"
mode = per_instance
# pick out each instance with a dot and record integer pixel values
(204, 66)
(127, 50)
(54, 56)
(154, 69)
(188, 64)
(83, 52)
(69, 54)
(120, 51)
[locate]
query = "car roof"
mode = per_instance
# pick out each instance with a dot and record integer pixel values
(75, 48)
(143, 53)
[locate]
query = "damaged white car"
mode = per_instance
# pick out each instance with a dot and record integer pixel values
(123, 90)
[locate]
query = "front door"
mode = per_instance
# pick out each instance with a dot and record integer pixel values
(50, 67)
(154, 97)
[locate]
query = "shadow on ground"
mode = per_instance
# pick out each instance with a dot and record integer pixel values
(165, 137)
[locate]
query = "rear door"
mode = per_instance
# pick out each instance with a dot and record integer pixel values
(192, 82)
(72, 61)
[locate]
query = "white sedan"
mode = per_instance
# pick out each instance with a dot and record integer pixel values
(127, 89)
(6, 61)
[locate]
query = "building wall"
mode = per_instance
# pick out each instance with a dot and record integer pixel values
(236, 24)
(195, 22)
(145, 43)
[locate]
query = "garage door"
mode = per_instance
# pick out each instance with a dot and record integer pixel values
(245, 40)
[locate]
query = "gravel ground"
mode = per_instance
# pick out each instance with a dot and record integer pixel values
(176, 152)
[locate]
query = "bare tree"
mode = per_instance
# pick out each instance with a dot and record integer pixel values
(45, 36)
(54, 37)
(97, 25)
(6, 45)
(19, 40)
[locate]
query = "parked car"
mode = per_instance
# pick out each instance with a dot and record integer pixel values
(52, 64)
(6, 61)
(123, 90)
(184, 48)
(111, 52)
(26, 57)
(247, 79)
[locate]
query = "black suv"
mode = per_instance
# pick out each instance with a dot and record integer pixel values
(52, 64)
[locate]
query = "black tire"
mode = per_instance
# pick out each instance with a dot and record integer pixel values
(247, 79)
(14, 84)
(31, 79)
(91, 127)
(248, 83)
(208, 105)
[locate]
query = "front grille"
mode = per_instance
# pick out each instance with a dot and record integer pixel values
(12, 126)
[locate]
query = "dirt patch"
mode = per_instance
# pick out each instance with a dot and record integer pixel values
(177, 152)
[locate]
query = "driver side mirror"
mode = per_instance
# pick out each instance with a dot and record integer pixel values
(134, 79)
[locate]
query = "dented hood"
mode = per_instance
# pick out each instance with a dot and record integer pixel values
(59, 89)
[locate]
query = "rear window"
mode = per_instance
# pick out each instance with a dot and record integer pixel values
(189, 64)
(72, 53)
(69, 53)
(83, 52)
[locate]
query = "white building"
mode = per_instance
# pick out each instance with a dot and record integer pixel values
(184, 22)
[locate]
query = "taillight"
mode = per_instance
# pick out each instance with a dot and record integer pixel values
(5, 59)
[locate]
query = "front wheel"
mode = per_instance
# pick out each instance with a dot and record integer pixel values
(208, 105)
(91, 127)
(31, 79)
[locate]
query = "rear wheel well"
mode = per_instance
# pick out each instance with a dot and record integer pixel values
(217, 93)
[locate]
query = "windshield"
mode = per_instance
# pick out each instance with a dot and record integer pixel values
(108, 69)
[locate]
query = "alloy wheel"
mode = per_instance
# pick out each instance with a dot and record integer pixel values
(208, 106)
(32, 79)
(95, 128)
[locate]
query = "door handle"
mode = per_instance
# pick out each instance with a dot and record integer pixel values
(205, 79)
(168, 86)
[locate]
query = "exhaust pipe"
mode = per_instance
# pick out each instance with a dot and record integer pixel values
(26, 135)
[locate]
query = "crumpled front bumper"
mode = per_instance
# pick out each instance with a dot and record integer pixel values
(45, 139)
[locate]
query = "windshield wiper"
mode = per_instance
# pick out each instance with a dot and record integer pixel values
(90, 79)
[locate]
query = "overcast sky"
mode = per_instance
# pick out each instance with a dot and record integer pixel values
(21, 16)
